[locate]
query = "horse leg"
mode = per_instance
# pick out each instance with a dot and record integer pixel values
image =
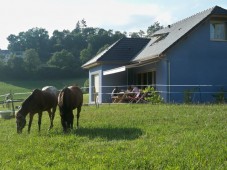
(51, 122)
(78, 116)
(51, 116)
(39, 120)
(30, 121)
(64, 125)
(71, 121)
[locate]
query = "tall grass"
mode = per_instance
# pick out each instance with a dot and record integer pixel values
(122, 137)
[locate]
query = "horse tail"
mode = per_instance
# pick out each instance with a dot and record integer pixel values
(66, 98)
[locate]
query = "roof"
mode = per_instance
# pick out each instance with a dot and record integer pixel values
(121, 52)
(165, 38)
(140, 50)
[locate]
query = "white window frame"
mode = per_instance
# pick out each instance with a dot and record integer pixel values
(216, 34)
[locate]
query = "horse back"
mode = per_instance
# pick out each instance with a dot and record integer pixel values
(49, 100)
(39, 101)
(77, 96)
(70, 98)
(51, 89)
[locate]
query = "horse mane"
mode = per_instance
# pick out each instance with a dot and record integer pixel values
(30, 98)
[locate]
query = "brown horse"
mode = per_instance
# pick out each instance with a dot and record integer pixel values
(69, 99)
(37, 102)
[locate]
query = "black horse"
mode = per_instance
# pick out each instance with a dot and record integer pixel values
(37, 102)
(69, 99)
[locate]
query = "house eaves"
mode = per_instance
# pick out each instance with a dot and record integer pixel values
(128, 66)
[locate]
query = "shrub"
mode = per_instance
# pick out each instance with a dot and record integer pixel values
(188, 96)
(220, 96)
(153, 95)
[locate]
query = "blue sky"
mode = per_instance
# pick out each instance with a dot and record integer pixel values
(119, 15)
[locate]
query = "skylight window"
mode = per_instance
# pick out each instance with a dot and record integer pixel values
(159, 37)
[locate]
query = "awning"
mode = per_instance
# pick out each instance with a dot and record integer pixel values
(123, 68)
(114, 70)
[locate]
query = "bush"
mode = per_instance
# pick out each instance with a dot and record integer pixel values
(188, 96)
(153, 95)
(220, 96)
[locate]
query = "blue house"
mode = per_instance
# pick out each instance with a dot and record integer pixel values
(187, 57)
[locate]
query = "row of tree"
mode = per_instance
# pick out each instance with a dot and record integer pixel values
(65, 51)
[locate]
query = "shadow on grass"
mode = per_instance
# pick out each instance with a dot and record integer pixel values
(110, 133)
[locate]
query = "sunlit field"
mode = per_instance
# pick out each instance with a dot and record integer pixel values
(124, 136)
(22, 89)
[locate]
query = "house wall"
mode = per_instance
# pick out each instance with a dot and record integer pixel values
(161, 69)
(94, 71)
(107, 82)
(112, 80)
(195, 64)
(162, 78)
(199, 65)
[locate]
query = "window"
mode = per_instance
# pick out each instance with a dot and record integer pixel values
(146, 78)
(218, 31)
(159, 37)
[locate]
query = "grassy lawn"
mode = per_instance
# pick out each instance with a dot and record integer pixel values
(28, 86)
(24, 86)
(127, 136)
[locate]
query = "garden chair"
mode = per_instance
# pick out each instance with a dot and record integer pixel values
(135, 98)
(141, 98)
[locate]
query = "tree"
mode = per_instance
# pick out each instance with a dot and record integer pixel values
(31, 60)
(134, 35)
(153, 28)
(84, 23)
(63, 59)
(35, 38)
(57, 41)
(86, 54)
(139, 34)
(2, 60)
(16, 43)
(77, 30)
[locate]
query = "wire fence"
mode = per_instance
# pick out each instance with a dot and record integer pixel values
(196, 93)
(206, 93)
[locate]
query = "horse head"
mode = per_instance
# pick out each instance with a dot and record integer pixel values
(20, 121)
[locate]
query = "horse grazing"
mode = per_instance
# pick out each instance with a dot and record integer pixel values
(69, 99)
(37, 102)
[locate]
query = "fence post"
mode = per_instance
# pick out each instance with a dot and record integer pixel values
(12, 104)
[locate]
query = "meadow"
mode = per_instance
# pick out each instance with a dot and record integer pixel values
(117, 136)
(24, 86)
(122, 136)
(22, 89)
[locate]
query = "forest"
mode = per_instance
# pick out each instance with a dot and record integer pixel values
(61, 54)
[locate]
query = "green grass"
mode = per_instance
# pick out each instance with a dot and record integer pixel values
(127, 136)
(24, 86)
(27, 86)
